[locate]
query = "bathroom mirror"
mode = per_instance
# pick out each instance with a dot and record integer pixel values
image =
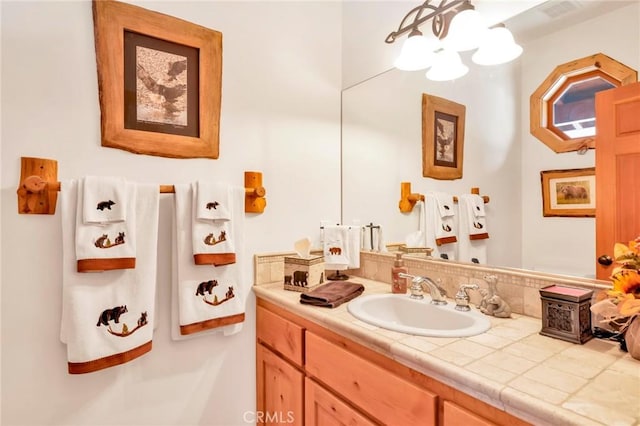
(381, 139)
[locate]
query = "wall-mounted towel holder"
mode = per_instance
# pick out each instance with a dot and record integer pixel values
(39, 186)
(409, 199)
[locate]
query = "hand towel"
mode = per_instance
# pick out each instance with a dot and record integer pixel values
(212, 201)
(335, 242)
(106, 246)
(473, 229)
(440, 232)
(107, 319)
(212, 240)
(333, 294)
(354, 238)
(104, 200)
(205, 298)
(445, 224)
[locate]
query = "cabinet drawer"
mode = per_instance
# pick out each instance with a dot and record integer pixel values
(383, 395)
(455, 415)
(280, 334)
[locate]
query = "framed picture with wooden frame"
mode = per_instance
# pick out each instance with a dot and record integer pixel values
(159, 81)
(570, 192)
(442, 138)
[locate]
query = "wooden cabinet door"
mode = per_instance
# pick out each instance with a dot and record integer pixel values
(280, 390)
(322, 408)
(617, 170)
(454, 415)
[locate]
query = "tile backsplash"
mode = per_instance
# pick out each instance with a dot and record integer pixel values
(519, 288)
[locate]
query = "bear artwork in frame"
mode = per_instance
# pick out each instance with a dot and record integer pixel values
(442, 138)
(159, 82)
(570, 192)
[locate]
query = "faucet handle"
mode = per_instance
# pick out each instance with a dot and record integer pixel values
(462, 297)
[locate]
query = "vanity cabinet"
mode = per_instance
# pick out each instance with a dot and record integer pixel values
(310, 375)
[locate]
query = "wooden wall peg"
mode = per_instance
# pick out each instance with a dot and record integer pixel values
(407, 199)
(475, 190)
(254, 201)
(38, 188)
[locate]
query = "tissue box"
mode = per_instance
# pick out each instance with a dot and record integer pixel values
(566, 313)
(303, 275)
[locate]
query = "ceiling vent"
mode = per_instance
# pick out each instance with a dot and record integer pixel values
(556, 9)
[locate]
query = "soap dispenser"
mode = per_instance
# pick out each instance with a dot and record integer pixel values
(398, 284)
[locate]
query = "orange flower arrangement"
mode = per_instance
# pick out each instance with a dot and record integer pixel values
(620, 305)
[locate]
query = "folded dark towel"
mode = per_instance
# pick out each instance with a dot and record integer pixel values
(333, 294)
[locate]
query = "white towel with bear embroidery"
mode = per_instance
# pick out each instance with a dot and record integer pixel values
(440, 229)
(206, 297)
(472, 246)
(103, 245)
(104, 199)
(107, 318)
(212, 240)
(212, 201)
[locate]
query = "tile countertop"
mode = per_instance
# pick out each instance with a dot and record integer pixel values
(540, 379)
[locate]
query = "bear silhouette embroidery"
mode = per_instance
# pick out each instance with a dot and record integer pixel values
(206, 286)
(105, 205)
(111, 315)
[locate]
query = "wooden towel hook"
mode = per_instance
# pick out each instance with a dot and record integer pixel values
(475, 190)
(38, 188)
(407, 198)
(254, 201)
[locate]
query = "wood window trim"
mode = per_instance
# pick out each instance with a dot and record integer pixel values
(538, 121)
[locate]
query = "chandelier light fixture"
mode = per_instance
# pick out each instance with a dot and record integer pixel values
(457, 27)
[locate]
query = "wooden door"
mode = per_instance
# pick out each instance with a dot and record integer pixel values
(617, 170)
(279, 390)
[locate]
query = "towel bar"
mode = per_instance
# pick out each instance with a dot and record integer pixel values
(39, 187)
(409, 199)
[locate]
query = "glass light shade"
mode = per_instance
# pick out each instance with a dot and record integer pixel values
(447, 66)
(498, 47)
(466, 31)
(418, 53)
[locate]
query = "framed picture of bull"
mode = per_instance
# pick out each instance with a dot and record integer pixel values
(442, 138)
(159, 82)
(570, 192)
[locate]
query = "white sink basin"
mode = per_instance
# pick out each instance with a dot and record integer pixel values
(398, 312)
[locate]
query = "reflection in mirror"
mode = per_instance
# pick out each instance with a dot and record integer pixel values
(381, 145)
(574, 112)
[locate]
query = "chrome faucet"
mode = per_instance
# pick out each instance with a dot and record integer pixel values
(418, 283)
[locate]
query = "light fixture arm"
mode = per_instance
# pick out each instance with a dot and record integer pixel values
(437, 13)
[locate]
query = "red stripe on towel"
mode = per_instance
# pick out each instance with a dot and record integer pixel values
(108, 361)
(217, 259)
(211, 323)
(478, 236)
(446, 240)
(93, 265)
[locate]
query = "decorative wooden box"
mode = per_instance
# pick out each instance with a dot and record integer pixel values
(566, 314)
(303, 275)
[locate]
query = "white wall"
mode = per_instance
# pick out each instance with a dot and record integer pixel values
(564, 244)
(280, 115)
